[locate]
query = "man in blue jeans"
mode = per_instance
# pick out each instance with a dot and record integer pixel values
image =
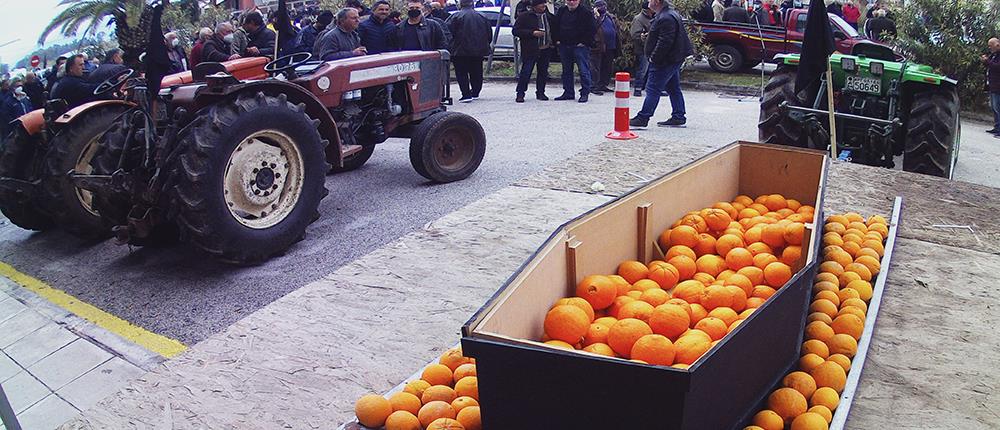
(574, 31)
(992, 62)
(667, 46)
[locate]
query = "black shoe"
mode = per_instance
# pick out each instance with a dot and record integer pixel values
(637, 93)
(565, 96)
(672, 122)
(597, 92)
(606, 89)
(520, 98)
(465, 99)
(583, 98)
(993, 130)
(638, 121)
(541, 96)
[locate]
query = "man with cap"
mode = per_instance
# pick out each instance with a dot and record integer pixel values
(573, 32)
(667, 47)
(638, 32)
(534, 30)
(605, 49)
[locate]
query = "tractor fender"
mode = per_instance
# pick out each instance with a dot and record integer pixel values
(71, 114)
(925, 75)
(327, 127)
(33, 122)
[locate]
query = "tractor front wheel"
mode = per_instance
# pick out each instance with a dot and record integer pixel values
(775, 126)
(447, 147)
(932, 133)
(17, 161)
(250, 178)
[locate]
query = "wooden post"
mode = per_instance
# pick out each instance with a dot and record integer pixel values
(642, 215)
(829, 103)
(571, 245)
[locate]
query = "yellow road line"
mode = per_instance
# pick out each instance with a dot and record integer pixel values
(159, 344)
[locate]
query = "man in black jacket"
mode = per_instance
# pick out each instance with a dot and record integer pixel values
(573, 31)
(377, 32)
(260, 39)
(667, 46)
(73, 87)
(736, 13)
(534, 30)
(306, 39)
(219, 48)
(470, 43)
(417, 33)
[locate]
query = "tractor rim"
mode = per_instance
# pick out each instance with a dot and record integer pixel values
(263, 179)
(455, 149)
(83, 167)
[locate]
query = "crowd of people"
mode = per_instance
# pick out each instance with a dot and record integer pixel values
(770, 13)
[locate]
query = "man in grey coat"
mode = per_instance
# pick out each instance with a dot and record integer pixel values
(342, 41)
(470, 44)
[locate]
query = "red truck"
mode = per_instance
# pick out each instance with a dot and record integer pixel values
(739, 46)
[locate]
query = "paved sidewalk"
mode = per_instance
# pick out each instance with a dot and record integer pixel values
(50, 366)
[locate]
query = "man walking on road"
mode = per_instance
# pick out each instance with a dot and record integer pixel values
(638, 32)
(470, 44)
(992, 62)
(574, 35)
(534, 29)
(667, 47)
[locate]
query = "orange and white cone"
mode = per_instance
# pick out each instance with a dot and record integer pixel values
(622, 92)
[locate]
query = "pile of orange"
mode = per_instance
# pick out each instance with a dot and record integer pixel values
(718, 265)
(852, 255)
(446, 397)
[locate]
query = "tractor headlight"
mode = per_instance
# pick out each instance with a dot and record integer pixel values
(848, 64)
(876, 68)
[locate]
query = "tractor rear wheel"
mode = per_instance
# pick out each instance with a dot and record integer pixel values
(17, 161)
(775, 126)
(250, 178)
(932, 132)
(73, 148)
(447, 147)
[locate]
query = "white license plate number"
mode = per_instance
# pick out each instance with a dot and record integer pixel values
(863, 84)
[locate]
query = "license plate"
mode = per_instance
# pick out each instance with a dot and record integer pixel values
(863, 84)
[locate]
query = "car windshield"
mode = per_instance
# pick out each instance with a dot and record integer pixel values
(850, 31)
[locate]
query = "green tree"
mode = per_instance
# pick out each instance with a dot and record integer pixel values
(130, 17)
(626, 10)
(950, 37)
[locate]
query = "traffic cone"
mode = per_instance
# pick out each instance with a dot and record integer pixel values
(622, 92)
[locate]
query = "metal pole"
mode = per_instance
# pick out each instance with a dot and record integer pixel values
(496, 35)
(833, 116)
(7, 413)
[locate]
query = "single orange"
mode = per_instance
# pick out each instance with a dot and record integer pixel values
(625, 333)
(618, 303)
(768, 420)
(697, 313)
(598, 290)
(763, 291)
(670, 320)
(842, 360)
(664, 274)
(738, 296)
(822, 411)
(825, 396)
(829, 374)
(855, 302)
(711, 264)
(801, 382)
(632, 271)
(809, 362)
(645, 284)
(717, 219)
(787, 403)
(738, 258)
(716, 296)
(689, 291)
(776, 274)
(402, 420)
(773, 235)
(439, 374)
(468, 387)
(596, 333)
(762, 260)
(726, 243)
(824, 306)
(372, 410)
(754, 302)
(818, 330)
(706, 245)
(843, 344)
(574, 301)
(655, 296)
(689, 348)
(728, 207)
(680, 250)
(809, 421)
(753, 273)
(463, 402)
(815, 346)
(403, 401)
(654, 349)
(467, 369)
(600, 348)
(727, 315)
(417, 387)
(684, 235)
(564, 322)
(848, 324)
(638, 309)
(686, 266)
(791, 254)
(443, 393)
(470, 418)
(445, 424)
(679, 302)
(716, 328)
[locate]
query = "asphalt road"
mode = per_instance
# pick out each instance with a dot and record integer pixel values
(179, 293)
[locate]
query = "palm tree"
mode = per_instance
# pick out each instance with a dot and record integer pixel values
(131, 19)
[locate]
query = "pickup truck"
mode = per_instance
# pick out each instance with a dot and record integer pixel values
(737, 46)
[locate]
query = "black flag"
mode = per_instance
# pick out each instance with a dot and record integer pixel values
(283, 24)
(156, 61)
(816, 47)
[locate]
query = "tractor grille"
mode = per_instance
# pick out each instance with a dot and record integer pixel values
(432, 73)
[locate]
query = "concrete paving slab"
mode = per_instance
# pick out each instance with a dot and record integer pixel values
(8, 367)
(303, 360)
(99, 383)
(932, 361)
(9, 307)
(39, 344)
(69, 363)
(47, 414)
(19, 326)
(24, 390)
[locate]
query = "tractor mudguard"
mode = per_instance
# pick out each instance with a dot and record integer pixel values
(296, 94)
(244, 69)
(33, 122)
(70, 115)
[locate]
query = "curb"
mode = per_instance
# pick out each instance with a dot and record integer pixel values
(688, 85)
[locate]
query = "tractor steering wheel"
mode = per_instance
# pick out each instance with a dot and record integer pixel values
(287, 62)
(114, 82)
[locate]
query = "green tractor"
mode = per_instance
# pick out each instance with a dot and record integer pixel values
(885, 108)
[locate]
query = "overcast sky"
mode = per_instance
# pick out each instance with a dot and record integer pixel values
(25, 19)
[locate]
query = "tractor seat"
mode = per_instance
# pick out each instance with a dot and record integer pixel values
(873, 51)
(204, 69)
(55, 108)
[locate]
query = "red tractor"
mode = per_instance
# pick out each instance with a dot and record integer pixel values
(237, 167)
(35, 192)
